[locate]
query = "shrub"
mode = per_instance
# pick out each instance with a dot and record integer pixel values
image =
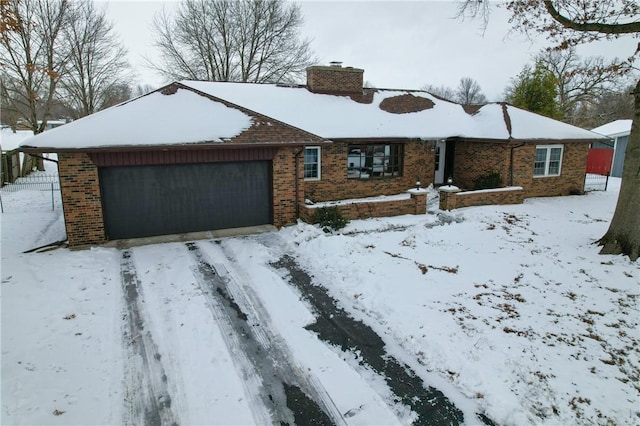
(488, 181)
(329, 218)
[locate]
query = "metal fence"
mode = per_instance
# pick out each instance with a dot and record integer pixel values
(34, 182)
(593, 182)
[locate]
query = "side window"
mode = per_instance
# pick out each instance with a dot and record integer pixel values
(548, 161)
(312, 163)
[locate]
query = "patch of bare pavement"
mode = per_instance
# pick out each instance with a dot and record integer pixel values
(335, 326)
(286, 390)
(147, 397)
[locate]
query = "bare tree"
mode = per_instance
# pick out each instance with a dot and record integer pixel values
(444, 92)
(571, 22)
(250, 41)
(33, 58)
(579, 82)
(614, 104)
(609, 107)
(116, 94)
(469, 92)
(142, 89)
(97, 68)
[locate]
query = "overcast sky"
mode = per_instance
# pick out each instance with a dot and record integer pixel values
(399, 44)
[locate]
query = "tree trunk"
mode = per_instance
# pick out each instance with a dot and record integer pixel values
(623, 236)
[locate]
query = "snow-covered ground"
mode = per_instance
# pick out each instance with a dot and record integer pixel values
(508, 310)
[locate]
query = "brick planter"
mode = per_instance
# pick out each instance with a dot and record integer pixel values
(413, 202)
(452, 198)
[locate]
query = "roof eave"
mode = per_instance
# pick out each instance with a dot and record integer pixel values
(516, 140)
(182, 147)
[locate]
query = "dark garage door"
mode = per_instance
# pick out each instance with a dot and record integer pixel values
(142, 201)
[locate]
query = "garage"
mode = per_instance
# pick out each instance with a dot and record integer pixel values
(149, 200)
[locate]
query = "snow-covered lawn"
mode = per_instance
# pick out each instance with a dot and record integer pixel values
(508, 310)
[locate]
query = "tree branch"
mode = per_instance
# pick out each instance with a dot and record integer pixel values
(626, 28)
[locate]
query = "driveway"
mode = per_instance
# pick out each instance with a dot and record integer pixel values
(210, 341)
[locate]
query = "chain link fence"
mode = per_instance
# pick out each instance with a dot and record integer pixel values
(34, 182)
(594, 182)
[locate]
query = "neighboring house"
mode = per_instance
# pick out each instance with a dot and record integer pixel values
(197, 156)
(11, 157)
(51, 124)
(618, 131)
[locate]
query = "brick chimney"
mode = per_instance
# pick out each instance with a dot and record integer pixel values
(334, 79)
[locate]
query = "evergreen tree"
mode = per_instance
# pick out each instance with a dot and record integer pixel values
(535, 90)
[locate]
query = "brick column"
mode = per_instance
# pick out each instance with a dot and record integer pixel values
(419, 196)
(448, 197)
(80, 188)
(284, 185)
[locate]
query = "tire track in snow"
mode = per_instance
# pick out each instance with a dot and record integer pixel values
(293, 397)
(241, 287)
(147, 396)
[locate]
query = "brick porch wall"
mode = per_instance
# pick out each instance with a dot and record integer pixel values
(474, 159)
(80, 188)
(418, 163)
(417, 204)
(457, 200)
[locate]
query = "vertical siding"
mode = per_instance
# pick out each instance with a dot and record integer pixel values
(149, 158)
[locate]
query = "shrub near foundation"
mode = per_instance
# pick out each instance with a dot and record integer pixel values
(329, 219)
(489, 181)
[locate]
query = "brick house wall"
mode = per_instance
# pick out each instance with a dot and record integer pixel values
(474, 159)
(572, 174)
(418, 163)
(80, 188)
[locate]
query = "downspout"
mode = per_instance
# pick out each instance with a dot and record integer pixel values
(297, 185)
(511, 162)
(507, 122)
(43, 158)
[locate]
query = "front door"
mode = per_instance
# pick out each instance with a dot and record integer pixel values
(441, 147)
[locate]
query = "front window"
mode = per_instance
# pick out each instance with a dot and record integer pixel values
(548, 160)
(366, 161)
(312, 163)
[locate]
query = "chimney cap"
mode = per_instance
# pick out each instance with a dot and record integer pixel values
(337, 64)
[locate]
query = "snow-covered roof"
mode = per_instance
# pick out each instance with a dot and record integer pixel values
(615, 128)
(10, 140)
(189, 117)
(184, 117)
(334, 117)
(527, 125)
